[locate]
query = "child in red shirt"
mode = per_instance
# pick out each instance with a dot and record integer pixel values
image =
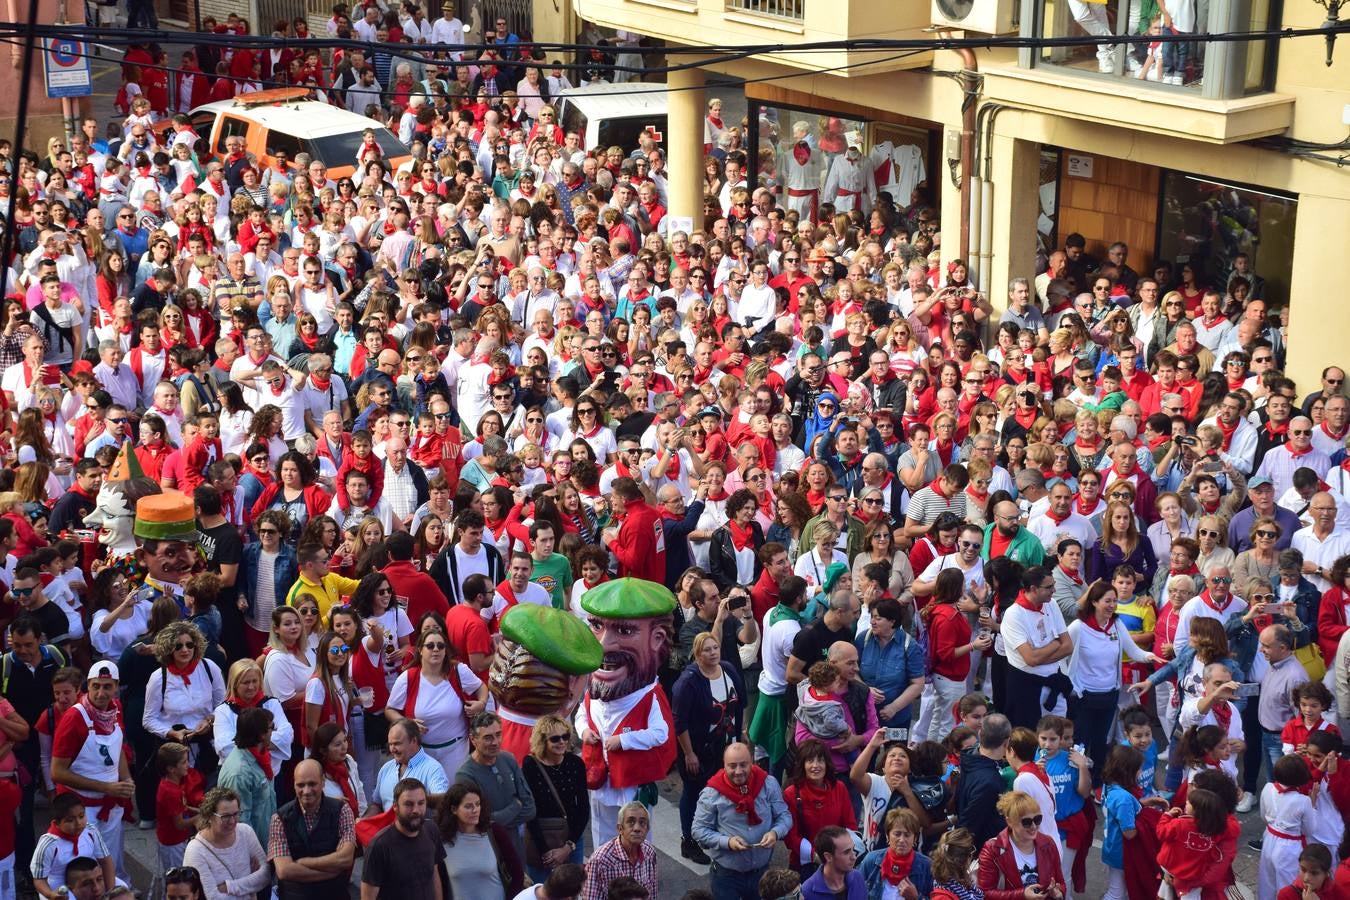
(1312, 699)
(176, 802)
(1314, 874)
(66, 685)
(1190, 844)
(360, 458)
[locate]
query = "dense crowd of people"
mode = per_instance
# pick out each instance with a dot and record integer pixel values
(959, 590)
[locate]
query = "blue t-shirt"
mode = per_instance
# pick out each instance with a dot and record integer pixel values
(1149, 769)
(1121, 808)
(1063, 777)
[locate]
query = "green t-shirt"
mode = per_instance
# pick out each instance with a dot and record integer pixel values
(554, 575)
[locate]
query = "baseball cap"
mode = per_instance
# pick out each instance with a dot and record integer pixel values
(105, 669)
(1259, 481)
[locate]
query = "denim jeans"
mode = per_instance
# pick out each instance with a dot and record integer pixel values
(730, 884)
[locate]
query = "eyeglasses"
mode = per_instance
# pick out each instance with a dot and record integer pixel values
(968, 545)
(175, 873)
(1267, 534)
(825, 406)
(1032, 821)
(759, 476)
(431, 646)
(441, 416)
(1207, 532)
(262, 531)
(309, 611)
(338, 649)
(1261, 598)
(1220, 579)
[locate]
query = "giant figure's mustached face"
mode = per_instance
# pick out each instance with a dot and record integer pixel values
(634, 650)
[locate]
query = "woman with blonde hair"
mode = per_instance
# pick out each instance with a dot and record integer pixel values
(557, 779)
(1026, 837)
(244, 689)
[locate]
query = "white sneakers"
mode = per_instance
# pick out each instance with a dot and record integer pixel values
(1248, 801)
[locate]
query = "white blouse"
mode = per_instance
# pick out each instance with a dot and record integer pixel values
(176, 702)
(284, 676)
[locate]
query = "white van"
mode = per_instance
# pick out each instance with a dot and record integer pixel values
(613, 115)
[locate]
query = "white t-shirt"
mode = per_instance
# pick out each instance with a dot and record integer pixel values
(1021, 626)
(437, 704)
(284, 676)
(874, 808)
(774, 652)
(533, 593)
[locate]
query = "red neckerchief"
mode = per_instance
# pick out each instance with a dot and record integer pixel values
(979, 498)
(743, 798)
(1193, 570)
(338, 772)
(184, 672)
(1036, 770)
(1026, 604)
(1122, 477)
(1274, 430)
(1027, 417)
(936, 487)
(1223, 714)
(673, 466)
(1302, 789)
(104, 720)
(1050, 514)
(1209, 601)
(236, 701)
(1078, 504)
(896, 868)
(1228, 432)
(1295, 454)
(742, 537)
(1073, 576)
(1108, 628)
(1335, 437)
(61, 835)
(1090, 448)
(322, 384)
(946, 454)
(264, 758)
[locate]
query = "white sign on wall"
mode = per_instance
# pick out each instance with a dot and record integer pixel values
(1080, 166)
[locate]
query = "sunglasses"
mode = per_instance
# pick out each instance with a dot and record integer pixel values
(309, 611)
(559, 738)
(873, 501)
(185, 645)
(837, 498)
(1261, 598)
(1267, 534)
(1030, 821)
(968, 545)
(431, 646)
(1220, 579)
(339, 649)
(268, 531)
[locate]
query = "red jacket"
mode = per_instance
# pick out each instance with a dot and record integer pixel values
(1194, 859)
(999, 877)
(317, 500)
(813, 809)
(416, 590)
(947, 630)
(1331, 621)
(640, 545)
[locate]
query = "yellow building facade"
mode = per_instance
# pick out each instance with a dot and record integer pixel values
(1055, 140)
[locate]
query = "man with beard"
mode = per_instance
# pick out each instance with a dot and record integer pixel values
(1006, 537)
(625, 720)
(404, 859)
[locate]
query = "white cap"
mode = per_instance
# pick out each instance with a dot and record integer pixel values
(104, 669)
(27, 454)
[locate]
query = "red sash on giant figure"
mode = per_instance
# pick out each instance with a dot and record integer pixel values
(629, 768)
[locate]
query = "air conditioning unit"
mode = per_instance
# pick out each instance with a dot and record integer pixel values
(983, 16)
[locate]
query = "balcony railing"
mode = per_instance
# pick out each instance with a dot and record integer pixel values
(794, 10)
(1198, 68)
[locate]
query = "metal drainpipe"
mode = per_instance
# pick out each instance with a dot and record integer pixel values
(970, 81)
(985, 169)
